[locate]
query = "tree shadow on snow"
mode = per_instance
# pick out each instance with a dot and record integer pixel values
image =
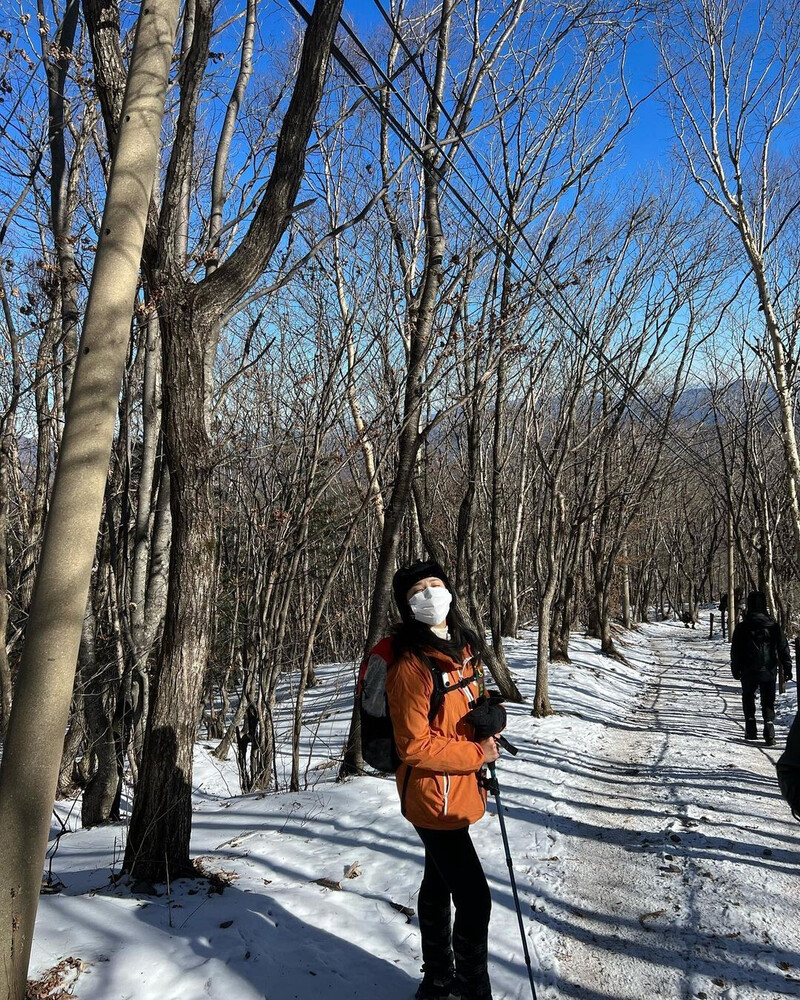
(235, 943)
(699, 953)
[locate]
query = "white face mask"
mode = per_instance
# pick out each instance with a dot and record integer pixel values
(431, 605)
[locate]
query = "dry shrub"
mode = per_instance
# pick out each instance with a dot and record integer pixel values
(57, 983)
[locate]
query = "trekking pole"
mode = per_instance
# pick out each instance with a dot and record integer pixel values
(494, 787)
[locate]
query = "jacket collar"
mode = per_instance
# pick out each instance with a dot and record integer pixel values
(446, 662)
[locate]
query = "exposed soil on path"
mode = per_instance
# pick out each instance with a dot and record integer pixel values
(680, 860)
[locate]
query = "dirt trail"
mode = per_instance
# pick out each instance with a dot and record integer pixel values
(681, 862)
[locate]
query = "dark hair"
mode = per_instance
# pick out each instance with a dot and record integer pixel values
(756, 603)
(412, 636)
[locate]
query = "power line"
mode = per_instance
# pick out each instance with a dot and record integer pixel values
(577, 326)
(574, 323)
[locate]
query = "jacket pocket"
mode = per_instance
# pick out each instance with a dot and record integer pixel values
(424, 798)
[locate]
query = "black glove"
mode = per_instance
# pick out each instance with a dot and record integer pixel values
(487, 716)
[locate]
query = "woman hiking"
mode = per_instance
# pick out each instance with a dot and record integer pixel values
(439, 779)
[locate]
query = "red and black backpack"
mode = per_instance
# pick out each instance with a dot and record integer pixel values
(377, 733)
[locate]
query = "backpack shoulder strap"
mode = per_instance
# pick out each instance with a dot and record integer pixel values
(440, 687)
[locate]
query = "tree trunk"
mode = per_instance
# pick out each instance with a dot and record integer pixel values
(158, 844)
(144, 539)
(32, 752)
(74, 741)
(158, 839)
(625, 569)
(100, 685)
(56, 58)
(496, 574)
(732, 609)
(541, 699)
(306, 669)
(224, 748)
(44, 446)
(783, 389)
(8, 459)
(5, 670)
(519, 516)
(421, 312)
(561, 625)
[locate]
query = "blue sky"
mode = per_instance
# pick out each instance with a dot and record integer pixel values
(363, 12)
(650, 137)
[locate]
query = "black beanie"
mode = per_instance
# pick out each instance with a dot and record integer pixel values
(405, 578)
(756, 603)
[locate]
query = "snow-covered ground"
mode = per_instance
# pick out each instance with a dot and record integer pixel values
(653, 854)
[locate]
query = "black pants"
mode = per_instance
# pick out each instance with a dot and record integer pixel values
(453, 872)
(767, 691)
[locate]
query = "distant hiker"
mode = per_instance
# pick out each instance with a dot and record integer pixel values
(439, 779)
(758, 645)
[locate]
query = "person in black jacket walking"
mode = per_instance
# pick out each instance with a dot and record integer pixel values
(758, 645)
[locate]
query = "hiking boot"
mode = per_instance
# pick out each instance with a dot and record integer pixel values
(472, 974)
(438, 963)
(437, 988)
(750, 729)
(769, 734)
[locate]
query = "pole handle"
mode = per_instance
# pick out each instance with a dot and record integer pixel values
(504, 743)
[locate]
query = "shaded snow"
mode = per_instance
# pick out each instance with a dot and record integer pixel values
(653, 854)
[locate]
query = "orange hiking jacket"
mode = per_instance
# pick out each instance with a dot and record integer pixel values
(438, 777)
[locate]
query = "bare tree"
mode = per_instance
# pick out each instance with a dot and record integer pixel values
(32, 751)
(734, 72)
(191, 315)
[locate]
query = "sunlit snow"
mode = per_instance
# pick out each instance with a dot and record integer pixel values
(653, 854)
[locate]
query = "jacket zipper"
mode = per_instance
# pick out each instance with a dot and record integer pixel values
(446, 793)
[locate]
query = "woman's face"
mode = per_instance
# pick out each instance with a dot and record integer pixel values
(429, 581)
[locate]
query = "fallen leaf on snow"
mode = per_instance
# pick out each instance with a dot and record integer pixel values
(328, 883)
(56, 983)
(650, 916)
